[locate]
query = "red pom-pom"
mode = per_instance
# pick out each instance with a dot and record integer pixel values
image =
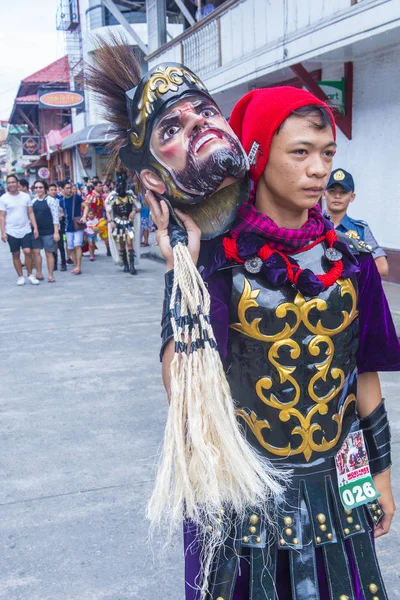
(231, 251)
(331, 237)
(265, 252)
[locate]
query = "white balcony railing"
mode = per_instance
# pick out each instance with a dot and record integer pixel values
(201, 50)
(241, 29)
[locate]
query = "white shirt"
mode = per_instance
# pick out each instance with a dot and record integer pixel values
(16, 208)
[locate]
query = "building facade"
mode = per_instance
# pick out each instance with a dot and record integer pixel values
(37, 127)
(353, 47)
(82, 22)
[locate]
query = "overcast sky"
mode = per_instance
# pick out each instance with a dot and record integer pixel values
(29, 41)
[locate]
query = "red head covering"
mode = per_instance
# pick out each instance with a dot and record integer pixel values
(257, 116)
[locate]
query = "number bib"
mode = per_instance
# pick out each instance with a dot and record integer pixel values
(356, 486)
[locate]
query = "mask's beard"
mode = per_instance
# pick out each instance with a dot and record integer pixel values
(204, 177)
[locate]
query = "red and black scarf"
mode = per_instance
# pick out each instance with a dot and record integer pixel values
(250, 220)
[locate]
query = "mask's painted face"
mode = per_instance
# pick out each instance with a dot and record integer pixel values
(196, 146)
(120, 188)
(183, 150)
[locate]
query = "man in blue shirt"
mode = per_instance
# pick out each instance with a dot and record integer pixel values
(339, 194)
(73, 205)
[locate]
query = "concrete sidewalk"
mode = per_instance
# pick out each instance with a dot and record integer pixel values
(82, 411)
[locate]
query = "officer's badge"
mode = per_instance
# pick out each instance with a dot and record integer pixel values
(356, 243)
(339, 176)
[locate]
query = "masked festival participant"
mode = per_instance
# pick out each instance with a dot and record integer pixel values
(123, 215)
(302, 327)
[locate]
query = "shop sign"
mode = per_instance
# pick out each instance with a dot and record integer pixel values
(61, 98)
(43, 173)
(87, 163)
(30, 146)
(83, 149)
(335, 92)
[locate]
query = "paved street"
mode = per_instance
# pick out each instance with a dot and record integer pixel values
(82, 411)
(82, 414)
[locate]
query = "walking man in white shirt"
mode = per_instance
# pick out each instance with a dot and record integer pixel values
(17, 220)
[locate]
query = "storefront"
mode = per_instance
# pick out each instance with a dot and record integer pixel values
(88, 148)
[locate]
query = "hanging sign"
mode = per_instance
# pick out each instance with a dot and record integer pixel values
(43, 173)
(61, 98)
(335, 92)
(30, 146)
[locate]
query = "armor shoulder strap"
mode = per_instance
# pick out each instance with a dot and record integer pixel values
(356, 245)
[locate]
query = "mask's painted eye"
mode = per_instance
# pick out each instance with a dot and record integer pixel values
(170, 131)
(207, 113)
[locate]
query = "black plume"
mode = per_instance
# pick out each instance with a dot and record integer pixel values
(115, 70)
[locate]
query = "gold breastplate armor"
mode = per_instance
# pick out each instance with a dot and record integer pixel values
(293, 365)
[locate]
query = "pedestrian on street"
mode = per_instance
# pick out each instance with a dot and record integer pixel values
(145, 219)
(91, 232)
(73, 210)
(24, 187)
(17, 221)
(339, 194)
(96, 202)
(46, 209)
(61, 229)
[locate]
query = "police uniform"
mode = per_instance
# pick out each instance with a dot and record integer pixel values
(363, 231)
(354, 227)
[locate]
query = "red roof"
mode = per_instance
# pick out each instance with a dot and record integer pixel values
(32, 99)
(56, 72)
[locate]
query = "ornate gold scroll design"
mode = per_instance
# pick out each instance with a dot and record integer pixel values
(323, 370)
(346, 287)
(248, 300)
(161, 81)
(305, 429)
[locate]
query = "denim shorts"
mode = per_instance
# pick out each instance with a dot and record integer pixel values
(74, 238)
(91, 237)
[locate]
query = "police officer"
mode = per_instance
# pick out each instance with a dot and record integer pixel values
(338, 194)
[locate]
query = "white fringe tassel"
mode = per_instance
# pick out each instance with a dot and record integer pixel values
(206, 463)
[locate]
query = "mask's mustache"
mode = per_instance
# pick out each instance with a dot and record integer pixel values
(199, 130)
(203, 177)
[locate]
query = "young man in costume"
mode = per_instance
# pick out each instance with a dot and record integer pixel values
(123, 210)
(291, 309)
(300, 323)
